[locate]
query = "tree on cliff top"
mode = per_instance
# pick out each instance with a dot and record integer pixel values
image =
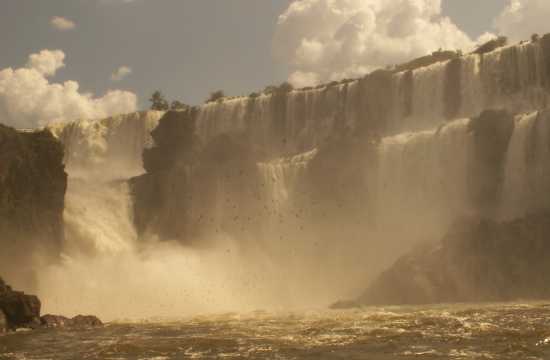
(178, 105)
(158, 102)
(491, 45)
(215, 96)
(281, 89)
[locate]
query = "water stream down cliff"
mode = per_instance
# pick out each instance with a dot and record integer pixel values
(302, 197)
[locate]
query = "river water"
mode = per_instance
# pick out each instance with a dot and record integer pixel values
(496, 331)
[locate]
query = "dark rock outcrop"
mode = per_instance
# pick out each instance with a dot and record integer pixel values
(334, 189)
(54, 321)
(478, 260)
(491, 131)
(32, 194)
(85, 321)
(177, 198)
(57, 321)
(159, 194)
(20, 310)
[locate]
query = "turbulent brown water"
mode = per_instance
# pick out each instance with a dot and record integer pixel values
(497, 331)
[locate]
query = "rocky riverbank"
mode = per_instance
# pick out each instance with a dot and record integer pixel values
(478, 260)
(21, 311)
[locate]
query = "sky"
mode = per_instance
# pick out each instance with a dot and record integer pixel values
(99, 57)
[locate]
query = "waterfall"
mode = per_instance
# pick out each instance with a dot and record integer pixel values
(280, 177)
(527, 171)
(310, 116)
(419, 179)
(99, 156)
(282, 218)
(471, 90)
(425, 178)
(223, 117)
(309, 269)
(512, 78)
(107, 149)
(428, 107)
(422, 178)
(102, 258)
(293, 122)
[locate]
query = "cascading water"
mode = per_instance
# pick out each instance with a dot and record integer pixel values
(99, 157)
(102, 257)
(421, 180)
(428, 106)
(527, 171)
(107, 149)
(512, 78)
(292, 251)
(281, 177)
(426, 170)
(421, 186)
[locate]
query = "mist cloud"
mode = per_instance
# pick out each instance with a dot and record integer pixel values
(332, 39)
(28, 99)
(522, 18)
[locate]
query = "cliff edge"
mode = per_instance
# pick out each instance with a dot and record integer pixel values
(32, 192)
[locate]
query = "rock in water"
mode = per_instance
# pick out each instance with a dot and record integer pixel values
(20, 309)
(56, 321)
(86, 321)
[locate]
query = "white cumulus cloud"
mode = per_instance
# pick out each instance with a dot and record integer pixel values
(325, 40)
(28, 99)
(121, 73)
(62, 24)
(47, 62)
(522, 18)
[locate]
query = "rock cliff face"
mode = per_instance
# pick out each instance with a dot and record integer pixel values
(32, 191)
(177, 198)
(478, 260)
(162, 195)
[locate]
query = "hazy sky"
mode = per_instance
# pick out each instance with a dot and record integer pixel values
(184, 47)
(188, 48)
